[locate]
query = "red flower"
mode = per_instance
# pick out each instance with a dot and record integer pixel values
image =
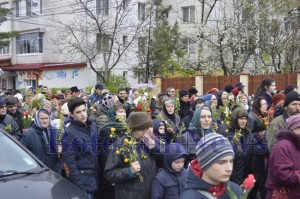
(149, 110)
(139, 107)
(25, 114)
(249, 182)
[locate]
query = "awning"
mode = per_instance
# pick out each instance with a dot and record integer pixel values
(5, 61)
(43, 66)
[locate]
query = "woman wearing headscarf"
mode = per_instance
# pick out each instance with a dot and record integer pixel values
(240, 138)
(200, 125)
(284, 168)
(168, 115)
(116, 115)
(41, 140)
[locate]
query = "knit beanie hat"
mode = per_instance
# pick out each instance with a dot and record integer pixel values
(293, 122)
(139, 121)
(228, 88)
(291, 96)
(278, 97)
(106, 101)
(211, 148)
(183, 93)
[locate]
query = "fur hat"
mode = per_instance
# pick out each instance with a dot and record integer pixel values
(291, 96)
(211, 148)
(74, 89)
(139, 121)
(183, 93)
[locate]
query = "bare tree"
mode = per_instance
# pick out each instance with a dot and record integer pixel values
(102, 33)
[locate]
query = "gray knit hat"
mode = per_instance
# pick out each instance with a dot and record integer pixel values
(139, 121)
(211, 148)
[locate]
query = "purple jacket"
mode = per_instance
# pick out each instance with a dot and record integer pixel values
(284, 164)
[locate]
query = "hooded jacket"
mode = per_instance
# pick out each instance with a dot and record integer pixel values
(169, 184)
(284, 165)
(194, 183)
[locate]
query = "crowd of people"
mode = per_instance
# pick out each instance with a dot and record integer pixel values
(138, 144)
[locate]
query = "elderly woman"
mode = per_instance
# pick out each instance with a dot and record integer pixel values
(41, 139)
(284, 171)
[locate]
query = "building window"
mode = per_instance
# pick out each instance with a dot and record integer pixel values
(103, 42)
(189, 14)
(4, 50)
(142, 45)
(141, 11)
(102, 7)
(28, 7)
(189, 46)
(125, 73)
(125, 40)
(125, 4)
(30, 43)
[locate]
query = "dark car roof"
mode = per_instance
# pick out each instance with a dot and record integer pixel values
(45, 184)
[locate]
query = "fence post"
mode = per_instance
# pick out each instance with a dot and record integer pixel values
(158, 82)
(244, 78)
(298, 79)
(199, 80)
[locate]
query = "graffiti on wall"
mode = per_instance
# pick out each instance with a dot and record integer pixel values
(49, 75)
(61, 74)
(75, 72)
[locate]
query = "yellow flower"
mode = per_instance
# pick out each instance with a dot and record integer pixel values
(126, 141)
(118, 152)
(226, 130)
(126, 160)
(110, 135)
(227, 122)
(112, 129)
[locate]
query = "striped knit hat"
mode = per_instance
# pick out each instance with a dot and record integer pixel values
(211, 148)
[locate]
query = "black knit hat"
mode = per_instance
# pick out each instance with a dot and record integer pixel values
(193, 91)
(291, 96)
(139, 121)
(228, 88)
(183, 93)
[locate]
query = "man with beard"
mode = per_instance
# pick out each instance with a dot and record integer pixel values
(291, 107)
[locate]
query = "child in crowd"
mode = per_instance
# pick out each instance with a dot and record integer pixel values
(169, 183)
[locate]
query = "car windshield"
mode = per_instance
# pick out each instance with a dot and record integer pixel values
(14, 158)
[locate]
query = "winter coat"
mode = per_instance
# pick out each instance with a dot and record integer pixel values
(284, 167)
(276, 125)
(127, 185)
(46, 151)
(169, 122)
(80, 154)
(94, 98)
(169, 184)
(18, 117)
(185, 108)
(167, 137)
(101, 117)
(254, 124)
(193, 134)
(194, 183)
(15, 130)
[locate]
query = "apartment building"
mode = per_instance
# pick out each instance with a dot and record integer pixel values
(41, 55)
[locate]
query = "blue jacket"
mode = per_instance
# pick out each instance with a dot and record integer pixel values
(194, 183)
(169, 184)
(80, 154)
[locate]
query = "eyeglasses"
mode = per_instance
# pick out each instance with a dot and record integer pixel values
(2, 106)
(11, 106)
